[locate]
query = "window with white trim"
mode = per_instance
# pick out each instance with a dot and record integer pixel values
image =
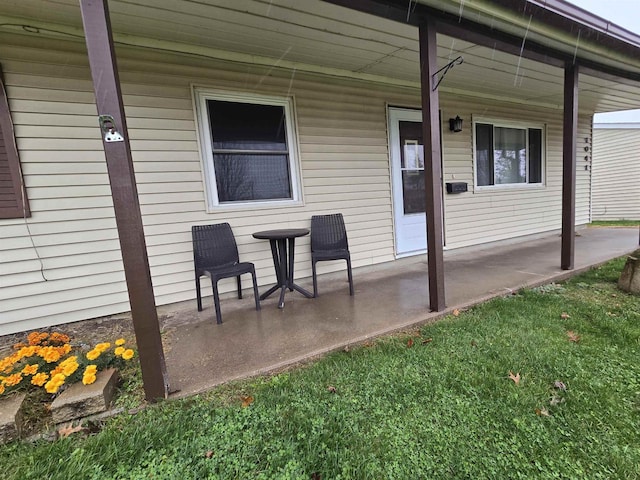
(508, 155)
(249, 149)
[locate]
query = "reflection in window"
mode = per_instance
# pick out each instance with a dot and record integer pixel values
(412, 167)
(508, 155)
(413, 195)
(250, 151)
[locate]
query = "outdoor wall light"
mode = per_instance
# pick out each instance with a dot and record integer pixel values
(455, 124)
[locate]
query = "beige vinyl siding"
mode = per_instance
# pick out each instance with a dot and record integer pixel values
(616, 173)
(344, 160)
(342, 142)
(491, 214)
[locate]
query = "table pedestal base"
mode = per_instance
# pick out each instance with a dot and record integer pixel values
(283, 251)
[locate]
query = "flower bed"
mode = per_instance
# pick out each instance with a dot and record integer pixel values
(51, 362)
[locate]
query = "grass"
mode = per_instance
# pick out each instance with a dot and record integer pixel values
(615, 223)
(443, 407)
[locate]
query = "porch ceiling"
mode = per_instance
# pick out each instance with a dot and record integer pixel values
(313, 33)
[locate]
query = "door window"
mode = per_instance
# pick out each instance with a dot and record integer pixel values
(412, 167)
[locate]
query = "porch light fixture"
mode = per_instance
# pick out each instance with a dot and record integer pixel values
(455, 124)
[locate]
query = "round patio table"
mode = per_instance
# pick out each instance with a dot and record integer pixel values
(283, 243)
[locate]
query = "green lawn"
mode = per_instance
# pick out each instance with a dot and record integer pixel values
(439, 406)
(615, 223)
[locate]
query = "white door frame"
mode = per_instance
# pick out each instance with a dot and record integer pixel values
(396, 115)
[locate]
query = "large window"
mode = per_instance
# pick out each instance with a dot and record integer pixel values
(249, 149)
(508, 155)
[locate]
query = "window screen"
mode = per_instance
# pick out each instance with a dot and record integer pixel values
(250, 151)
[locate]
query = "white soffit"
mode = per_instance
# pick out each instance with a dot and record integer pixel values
(319, 37)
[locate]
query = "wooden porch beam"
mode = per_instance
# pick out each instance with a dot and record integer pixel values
(569, 144)
(432, 166)
(106, 84)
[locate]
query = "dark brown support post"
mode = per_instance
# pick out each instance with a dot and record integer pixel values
(569, 134)
(432, 168)
(97, 27)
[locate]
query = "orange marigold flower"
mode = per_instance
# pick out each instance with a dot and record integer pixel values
(51, 387)
(91, 369)
(51, 356)
(33, 338)
(1, 388)
(118, 351)
(119, 342)
(70, 368)
(58, 337)
(128, 354)
(6, 364)
(30, 369)
(54, 384)
(102, 347)
(93, 354)
(88, 379)
(12, 380)
(39, 379)
(68, 360)
(29, 351)
(64, 349)
(37, 338)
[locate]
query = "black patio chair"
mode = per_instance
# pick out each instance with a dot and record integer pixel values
(329, 242)
(215, 254)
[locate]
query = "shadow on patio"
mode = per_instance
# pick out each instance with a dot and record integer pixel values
(391, 297)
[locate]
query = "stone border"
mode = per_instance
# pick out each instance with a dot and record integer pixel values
(81, 400)
(11, 417)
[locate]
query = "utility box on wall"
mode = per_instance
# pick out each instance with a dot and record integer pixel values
(456, 187)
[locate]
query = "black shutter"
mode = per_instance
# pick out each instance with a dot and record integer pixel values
(13, 197)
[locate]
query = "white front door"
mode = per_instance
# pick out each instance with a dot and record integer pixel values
(407, 172)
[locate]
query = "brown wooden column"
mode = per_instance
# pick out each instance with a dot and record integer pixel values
(106, 84)
(432, 168)
(569, 135)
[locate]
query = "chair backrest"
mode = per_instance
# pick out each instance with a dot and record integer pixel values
(328, 233)
(213, 245)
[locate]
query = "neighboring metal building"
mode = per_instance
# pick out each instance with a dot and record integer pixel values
(616, 171)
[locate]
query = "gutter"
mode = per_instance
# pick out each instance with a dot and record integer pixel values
(585, 17)
(569, 18)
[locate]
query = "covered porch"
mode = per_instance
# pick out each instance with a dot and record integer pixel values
(522, 59)
(560, 62)
(388, 298)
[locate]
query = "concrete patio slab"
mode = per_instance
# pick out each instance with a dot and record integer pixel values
(388, 298)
